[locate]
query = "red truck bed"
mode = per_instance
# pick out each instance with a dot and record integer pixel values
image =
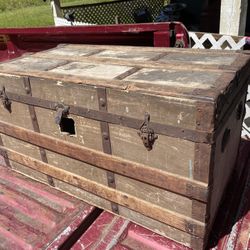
(16, 41)
(36, 216)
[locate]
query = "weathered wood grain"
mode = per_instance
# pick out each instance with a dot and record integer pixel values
(64, 92)
(77, 167)
(164, 129)
(31, 173)
(163, 155)
(162, 63)
(165, 180)
(12, 84)
(191, 97)
(162, 198)
(165, 110)
(26, 63)
(178, 221)
(88, 134)
(202, 162)
(19, 116)
(205, 59)
(224, 161)
(88, 131)
(155, 80)
(147, 49)
(26, 149)
(83, 195)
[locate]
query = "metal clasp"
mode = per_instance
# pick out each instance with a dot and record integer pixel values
(62, 111)
(147, 134)
(5, 99)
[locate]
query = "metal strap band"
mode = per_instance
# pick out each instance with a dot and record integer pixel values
(104, 116)
(106, 144)
(35, 125)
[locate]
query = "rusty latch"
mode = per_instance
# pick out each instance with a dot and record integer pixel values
(147, 134)
(5, 100)
(62, 111)
(179, 44)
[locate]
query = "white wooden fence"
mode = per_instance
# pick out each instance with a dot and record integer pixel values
(216, 41)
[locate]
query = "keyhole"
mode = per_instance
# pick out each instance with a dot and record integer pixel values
(67, 125)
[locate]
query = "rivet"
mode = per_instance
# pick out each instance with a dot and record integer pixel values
(43, 153)
(114, 208)
(102, 102)
(105, 135)
(27, 89)
(111, 180)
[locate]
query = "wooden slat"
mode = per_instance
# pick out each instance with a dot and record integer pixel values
(190, 188)
(171, 65)
(150, 49)
(224, 161)
(176, 220)
(152, 89)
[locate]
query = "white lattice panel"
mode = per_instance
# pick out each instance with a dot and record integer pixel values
(246, 122)
(209, 41)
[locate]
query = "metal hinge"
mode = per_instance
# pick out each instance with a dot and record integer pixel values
(147, 134)
(62, 111)
(5, 100)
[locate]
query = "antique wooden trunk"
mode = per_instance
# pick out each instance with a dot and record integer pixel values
(149, 134)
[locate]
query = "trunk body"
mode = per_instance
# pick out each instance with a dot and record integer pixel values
(79, 120)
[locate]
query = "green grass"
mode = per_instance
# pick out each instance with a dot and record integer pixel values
(30, 13)
(27, 17)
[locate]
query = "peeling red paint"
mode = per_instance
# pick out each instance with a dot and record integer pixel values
(34, 215)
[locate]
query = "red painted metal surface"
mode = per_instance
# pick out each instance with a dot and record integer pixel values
(16, 41)
(112, 232)
(36, 216)
(231, 230)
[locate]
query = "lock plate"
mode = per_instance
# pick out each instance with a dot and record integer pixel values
(5, 100)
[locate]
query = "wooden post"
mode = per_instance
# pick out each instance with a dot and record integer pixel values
(233, 17)
(56, 8)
